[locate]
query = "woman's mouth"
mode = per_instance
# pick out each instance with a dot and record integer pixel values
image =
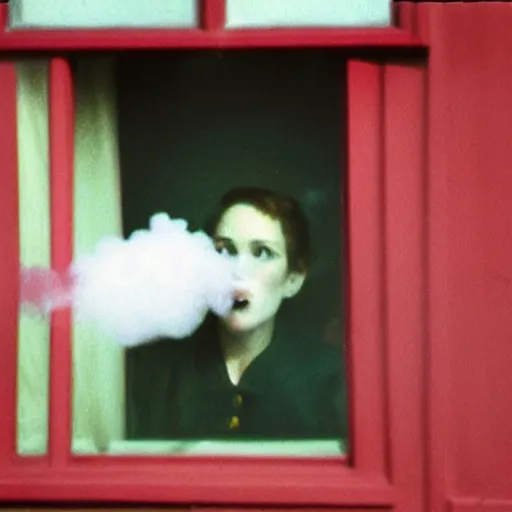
(240, 304)
(241, 299)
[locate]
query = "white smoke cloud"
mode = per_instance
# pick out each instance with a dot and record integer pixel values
(160, 282)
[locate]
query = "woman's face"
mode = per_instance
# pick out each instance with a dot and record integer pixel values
(257, 246)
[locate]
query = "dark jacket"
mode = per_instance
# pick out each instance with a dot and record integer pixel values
(181, 390)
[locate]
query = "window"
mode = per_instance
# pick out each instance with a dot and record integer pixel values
(98, 14)
(180, 148)
(95, 14)
(324, 13)
(191, 129)
(384, 257)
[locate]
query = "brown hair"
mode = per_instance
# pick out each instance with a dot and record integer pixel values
(279, 207)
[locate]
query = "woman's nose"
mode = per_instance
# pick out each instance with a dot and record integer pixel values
(244, 266)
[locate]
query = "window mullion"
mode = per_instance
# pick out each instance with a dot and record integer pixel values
(213, 14)
(9, 269)
(61, 131)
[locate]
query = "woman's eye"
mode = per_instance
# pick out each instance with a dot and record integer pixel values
(263, 253)
(225, 249)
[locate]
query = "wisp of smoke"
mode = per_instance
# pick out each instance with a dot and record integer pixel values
(160, 282)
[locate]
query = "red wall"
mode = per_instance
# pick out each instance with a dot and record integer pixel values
(470, 261)
(469, 215)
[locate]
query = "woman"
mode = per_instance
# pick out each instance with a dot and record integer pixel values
(237, 377)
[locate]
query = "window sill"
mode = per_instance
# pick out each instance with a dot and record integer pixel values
(200, 481)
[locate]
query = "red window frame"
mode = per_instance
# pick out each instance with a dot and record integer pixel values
(386, 293)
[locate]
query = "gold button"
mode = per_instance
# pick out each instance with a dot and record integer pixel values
(238, 400)
(234, 422)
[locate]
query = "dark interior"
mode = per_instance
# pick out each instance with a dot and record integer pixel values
(194, 124)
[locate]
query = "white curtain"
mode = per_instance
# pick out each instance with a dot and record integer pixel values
(34, 214)
(98, 364)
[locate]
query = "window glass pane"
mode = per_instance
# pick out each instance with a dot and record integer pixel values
(34, 212)
(102, 13)
(305, 13)
(174, 133)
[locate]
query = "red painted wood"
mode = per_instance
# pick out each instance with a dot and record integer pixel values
(61, 130)
(439, 300)
(387, 246)
(178, 509)
(3, 18)
(255, 481)
(40, 40)
(470, 264)
(366, 325)
(82, 508)
(9, 257)
(213, 14)
(405, 255)
(479, 505)
(268, 509)
(468, 356)
(406, 15)
(328, 482)
(215, 481)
